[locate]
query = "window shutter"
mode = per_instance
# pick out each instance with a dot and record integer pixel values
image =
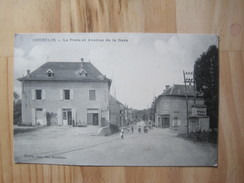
(59, 116)
(61, 94)
(45, 116)
(43, 94)
(71, 94)
(33, 94)
(33, 116)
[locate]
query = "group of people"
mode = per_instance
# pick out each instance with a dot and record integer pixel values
(132, 130)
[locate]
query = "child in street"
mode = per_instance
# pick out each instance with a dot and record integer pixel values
(122, 134)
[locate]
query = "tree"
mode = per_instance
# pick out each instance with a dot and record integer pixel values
(206, 77)
(153, 109)
(17, 109)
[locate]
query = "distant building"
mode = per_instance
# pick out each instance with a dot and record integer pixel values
(117, 112)
(171, 107)
(62, 93)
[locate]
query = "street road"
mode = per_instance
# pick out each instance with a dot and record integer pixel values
(158, 147)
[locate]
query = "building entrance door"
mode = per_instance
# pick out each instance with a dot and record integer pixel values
(40, 116)
(92, 117)
(69, 113)
(165, 122)
(67, 117)
(95, 119)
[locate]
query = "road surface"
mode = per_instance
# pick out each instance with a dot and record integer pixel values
(159, 147)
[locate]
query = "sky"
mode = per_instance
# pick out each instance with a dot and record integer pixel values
(139, 64)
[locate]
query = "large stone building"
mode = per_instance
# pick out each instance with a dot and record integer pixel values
(171, 107)
(62, 93)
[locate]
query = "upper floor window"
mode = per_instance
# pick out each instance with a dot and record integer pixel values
(92, 95)
(66, 94)
(81, 73)
(38, 94)
(49, 73)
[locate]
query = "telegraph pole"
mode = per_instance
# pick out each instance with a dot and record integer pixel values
(194, 85)
(187, 121)
(188, 80)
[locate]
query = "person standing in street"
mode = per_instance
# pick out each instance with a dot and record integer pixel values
(139, 129)
(122, 134)
(132, 129)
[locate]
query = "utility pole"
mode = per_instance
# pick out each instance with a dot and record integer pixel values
(188, 80)
(194, 85)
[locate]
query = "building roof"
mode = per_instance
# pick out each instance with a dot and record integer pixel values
(66, 71)
(179, 90)
(112, 99)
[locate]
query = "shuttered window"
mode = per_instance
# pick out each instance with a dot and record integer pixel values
(38, 94)
(66, 94)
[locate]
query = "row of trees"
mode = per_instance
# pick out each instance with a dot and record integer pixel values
(207, 82)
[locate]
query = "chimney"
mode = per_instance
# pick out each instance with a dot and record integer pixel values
(82, 62)
(28, 73)
(167, 87)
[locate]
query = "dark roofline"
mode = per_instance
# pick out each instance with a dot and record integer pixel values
(30, 78)
(87, 80)
(172, 95)
(116, 100)
(160, 96)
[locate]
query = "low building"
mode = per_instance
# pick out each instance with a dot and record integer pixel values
(117, 112)
(65, 93)
(171, 107)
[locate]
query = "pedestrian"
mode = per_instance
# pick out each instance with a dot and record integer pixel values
(139, 129)
(122, 134)
(132, 129)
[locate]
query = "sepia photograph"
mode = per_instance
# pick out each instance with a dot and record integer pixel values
(116, 99)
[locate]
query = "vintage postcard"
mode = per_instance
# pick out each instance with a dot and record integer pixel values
(116, 99)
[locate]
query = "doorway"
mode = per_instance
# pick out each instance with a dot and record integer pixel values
(40, 117)
(92, 119)
(165, 122)
(67, 117)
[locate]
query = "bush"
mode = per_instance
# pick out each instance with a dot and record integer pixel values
(201, 136)
(49, 116)
(17, 112)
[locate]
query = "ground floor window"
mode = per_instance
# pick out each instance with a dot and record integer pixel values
(176, 121)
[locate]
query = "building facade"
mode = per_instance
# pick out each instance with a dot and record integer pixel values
(65, 93)
(117, 112)
(171, 107)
